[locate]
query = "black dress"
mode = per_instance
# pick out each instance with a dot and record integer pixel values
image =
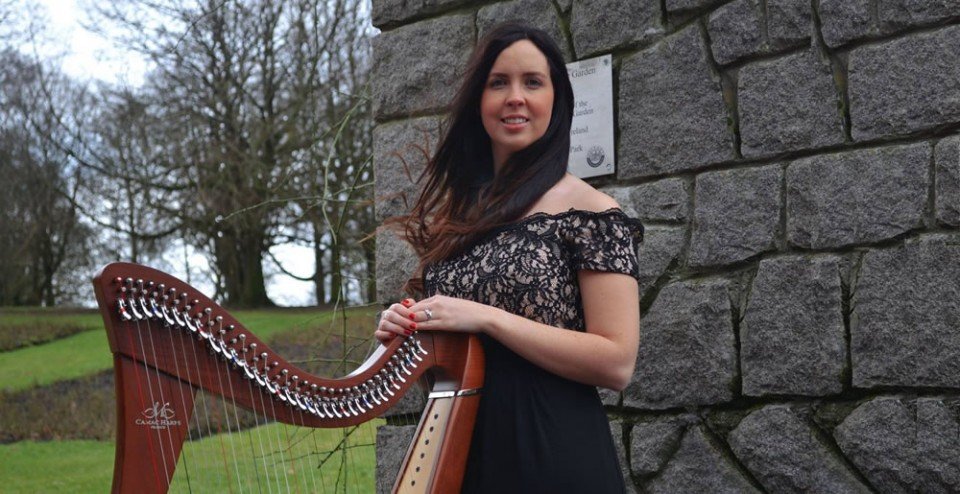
(536, 431)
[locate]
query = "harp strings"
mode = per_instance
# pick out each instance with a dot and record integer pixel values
(274, 452)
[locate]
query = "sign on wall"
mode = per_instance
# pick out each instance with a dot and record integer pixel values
(591, 134)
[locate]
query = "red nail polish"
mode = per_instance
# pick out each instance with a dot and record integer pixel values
(408, 332)
(413, 325)
(413, 317)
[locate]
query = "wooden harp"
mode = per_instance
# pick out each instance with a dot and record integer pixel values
(168, 341)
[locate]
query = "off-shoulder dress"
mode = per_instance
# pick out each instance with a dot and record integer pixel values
(536, 431)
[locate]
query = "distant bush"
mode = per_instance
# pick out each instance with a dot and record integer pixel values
(22, 334)
(81, 408)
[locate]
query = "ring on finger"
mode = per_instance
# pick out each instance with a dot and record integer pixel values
(429, 313)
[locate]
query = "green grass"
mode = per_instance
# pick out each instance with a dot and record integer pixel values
(21, 328)
(212, 463)
(57, 466)
(88, 352)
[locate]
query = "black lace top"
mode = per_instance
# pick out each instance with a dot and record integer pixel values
(538, 432)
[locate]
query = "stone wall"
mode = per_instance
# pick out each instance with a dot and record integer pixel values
(797, 164)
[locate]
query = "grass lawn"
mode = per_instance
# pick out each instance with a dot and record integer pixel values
(57, 466)
(87, 352)
(313, 460)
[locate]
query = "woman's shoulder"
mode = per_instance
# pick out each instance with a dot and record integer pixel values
(572, 193)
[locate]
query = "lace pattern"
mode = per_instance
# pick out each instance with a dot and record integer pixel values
(530, 267)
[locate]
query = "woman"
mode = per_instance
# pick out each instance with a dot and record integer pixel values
(535, 260)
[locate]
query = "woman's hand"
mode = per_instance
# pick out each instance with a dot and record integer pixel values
(437, 313)
(397, 320)
(442, 313)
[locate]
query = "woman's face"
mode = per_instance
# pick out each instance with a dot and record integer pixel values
(517, 101)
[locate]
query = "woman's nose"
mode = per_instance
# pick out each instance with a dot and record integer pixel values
(515, 96)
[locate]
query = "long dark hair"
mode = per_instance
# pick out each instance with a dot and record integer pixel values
(461, 198)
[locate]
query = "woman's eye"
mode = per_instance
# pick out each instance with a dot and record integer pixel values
(497, 83)
(534, 83)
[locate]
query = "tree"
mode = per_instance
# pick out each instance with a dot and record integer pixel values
(44, 242)
(241, 102)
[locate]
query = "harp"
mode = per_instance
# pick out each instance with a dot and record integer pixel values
(169, 341)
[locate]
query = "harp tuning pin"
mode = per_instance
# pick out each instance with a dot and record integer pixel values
(219, 318)
(263, 355)
(233, 341)
(206, 311)
(118, 280)
(242, 336)
(253, 346)
(231, 327)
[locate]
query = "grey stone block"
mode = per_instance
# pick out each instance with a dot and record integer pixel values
(412, 73)
(410, 405)
(540, 14)
(898, 14)
(392, 444)
(736, 30)
(855, 197)
(699, 466)
(905, 85)
(938, 446)
(947, 157)
(789, 23)
(616, 430)
(388, 13)
(843, 21)
(663, 200)
(672, 115)
(904, 447)
(905, 313)
(674, 6)
(792, 335)
(401, 151)
(687, 351)
(652, 444)
(396, 254)
(736, 216)
(784, 454)
(602, 25)
(788, 104)
(609, 397)
(879, 437)
(662, 245)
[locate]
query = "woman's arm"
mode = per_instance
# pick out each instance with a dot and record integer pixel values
(604, 355)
